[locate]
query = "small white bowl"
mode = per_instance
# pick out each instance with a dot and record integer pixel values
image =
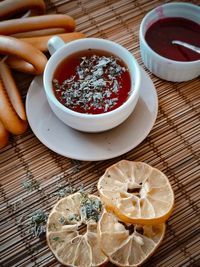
(167, 69)
(90, 122)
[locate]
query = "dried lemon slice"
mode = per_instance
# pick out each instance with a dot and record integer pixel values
(128, 245)
(136, 192)
(72, 231)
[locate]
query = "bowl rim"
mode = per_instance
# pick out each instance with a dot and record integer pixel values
(143, 40)
(134, 93)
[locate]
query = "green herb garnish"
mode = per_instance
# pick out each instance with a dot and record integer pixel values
(70, 219)
(38, 223)
(64, 191)
(30, 185)
(90, 208)
(57, 239)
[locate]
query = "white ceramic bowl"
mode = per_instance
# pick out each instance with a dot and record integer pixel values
(162, 67)
(90, 122)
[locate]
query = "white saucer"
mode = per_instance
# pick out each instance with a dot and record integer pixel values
(91, 146)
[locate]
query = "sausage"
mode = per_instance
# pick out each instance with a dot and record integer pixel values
(31, 55)
(20, 65)
(41, 42)
(42, 32)
(13, 26)
(8, 8)
(12, 112)
(3, 135)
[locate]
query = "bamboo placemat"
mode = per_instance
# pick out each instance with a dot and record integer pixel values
(173, 146)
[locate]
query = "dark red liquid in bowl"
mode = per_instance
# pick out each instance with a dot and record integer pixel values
(160, 34)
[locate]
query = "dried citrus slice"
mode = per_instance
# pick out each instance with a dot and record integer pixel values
(137, 192)
(128, 245)
(72, 231)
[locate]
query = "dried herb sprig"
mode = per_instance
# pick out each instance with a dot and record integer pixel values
(38, 223)
(64, 191)
(30, 185)
(90, 208)
(57, 239)
(70, 219)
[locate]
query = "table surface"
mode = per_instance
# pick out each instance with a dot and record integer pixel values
(173, 146)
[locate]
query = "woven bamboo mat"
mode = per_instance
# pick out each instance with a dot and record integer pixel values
(173, 146)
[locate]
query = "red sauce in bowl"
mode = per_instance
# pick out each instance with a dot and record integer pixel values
(160, 34)
(92, 82)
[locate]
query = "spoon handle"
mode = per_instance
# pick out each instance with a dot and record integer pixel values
(192, 47)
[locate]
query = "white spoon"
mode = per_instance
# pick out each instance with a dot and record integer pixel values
(192, 47)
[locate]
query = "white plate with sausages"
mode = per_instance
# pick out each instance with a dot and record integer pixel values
(91, 146)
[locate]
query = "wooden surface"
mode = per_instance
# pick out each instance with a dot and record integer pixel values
(172, 146)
